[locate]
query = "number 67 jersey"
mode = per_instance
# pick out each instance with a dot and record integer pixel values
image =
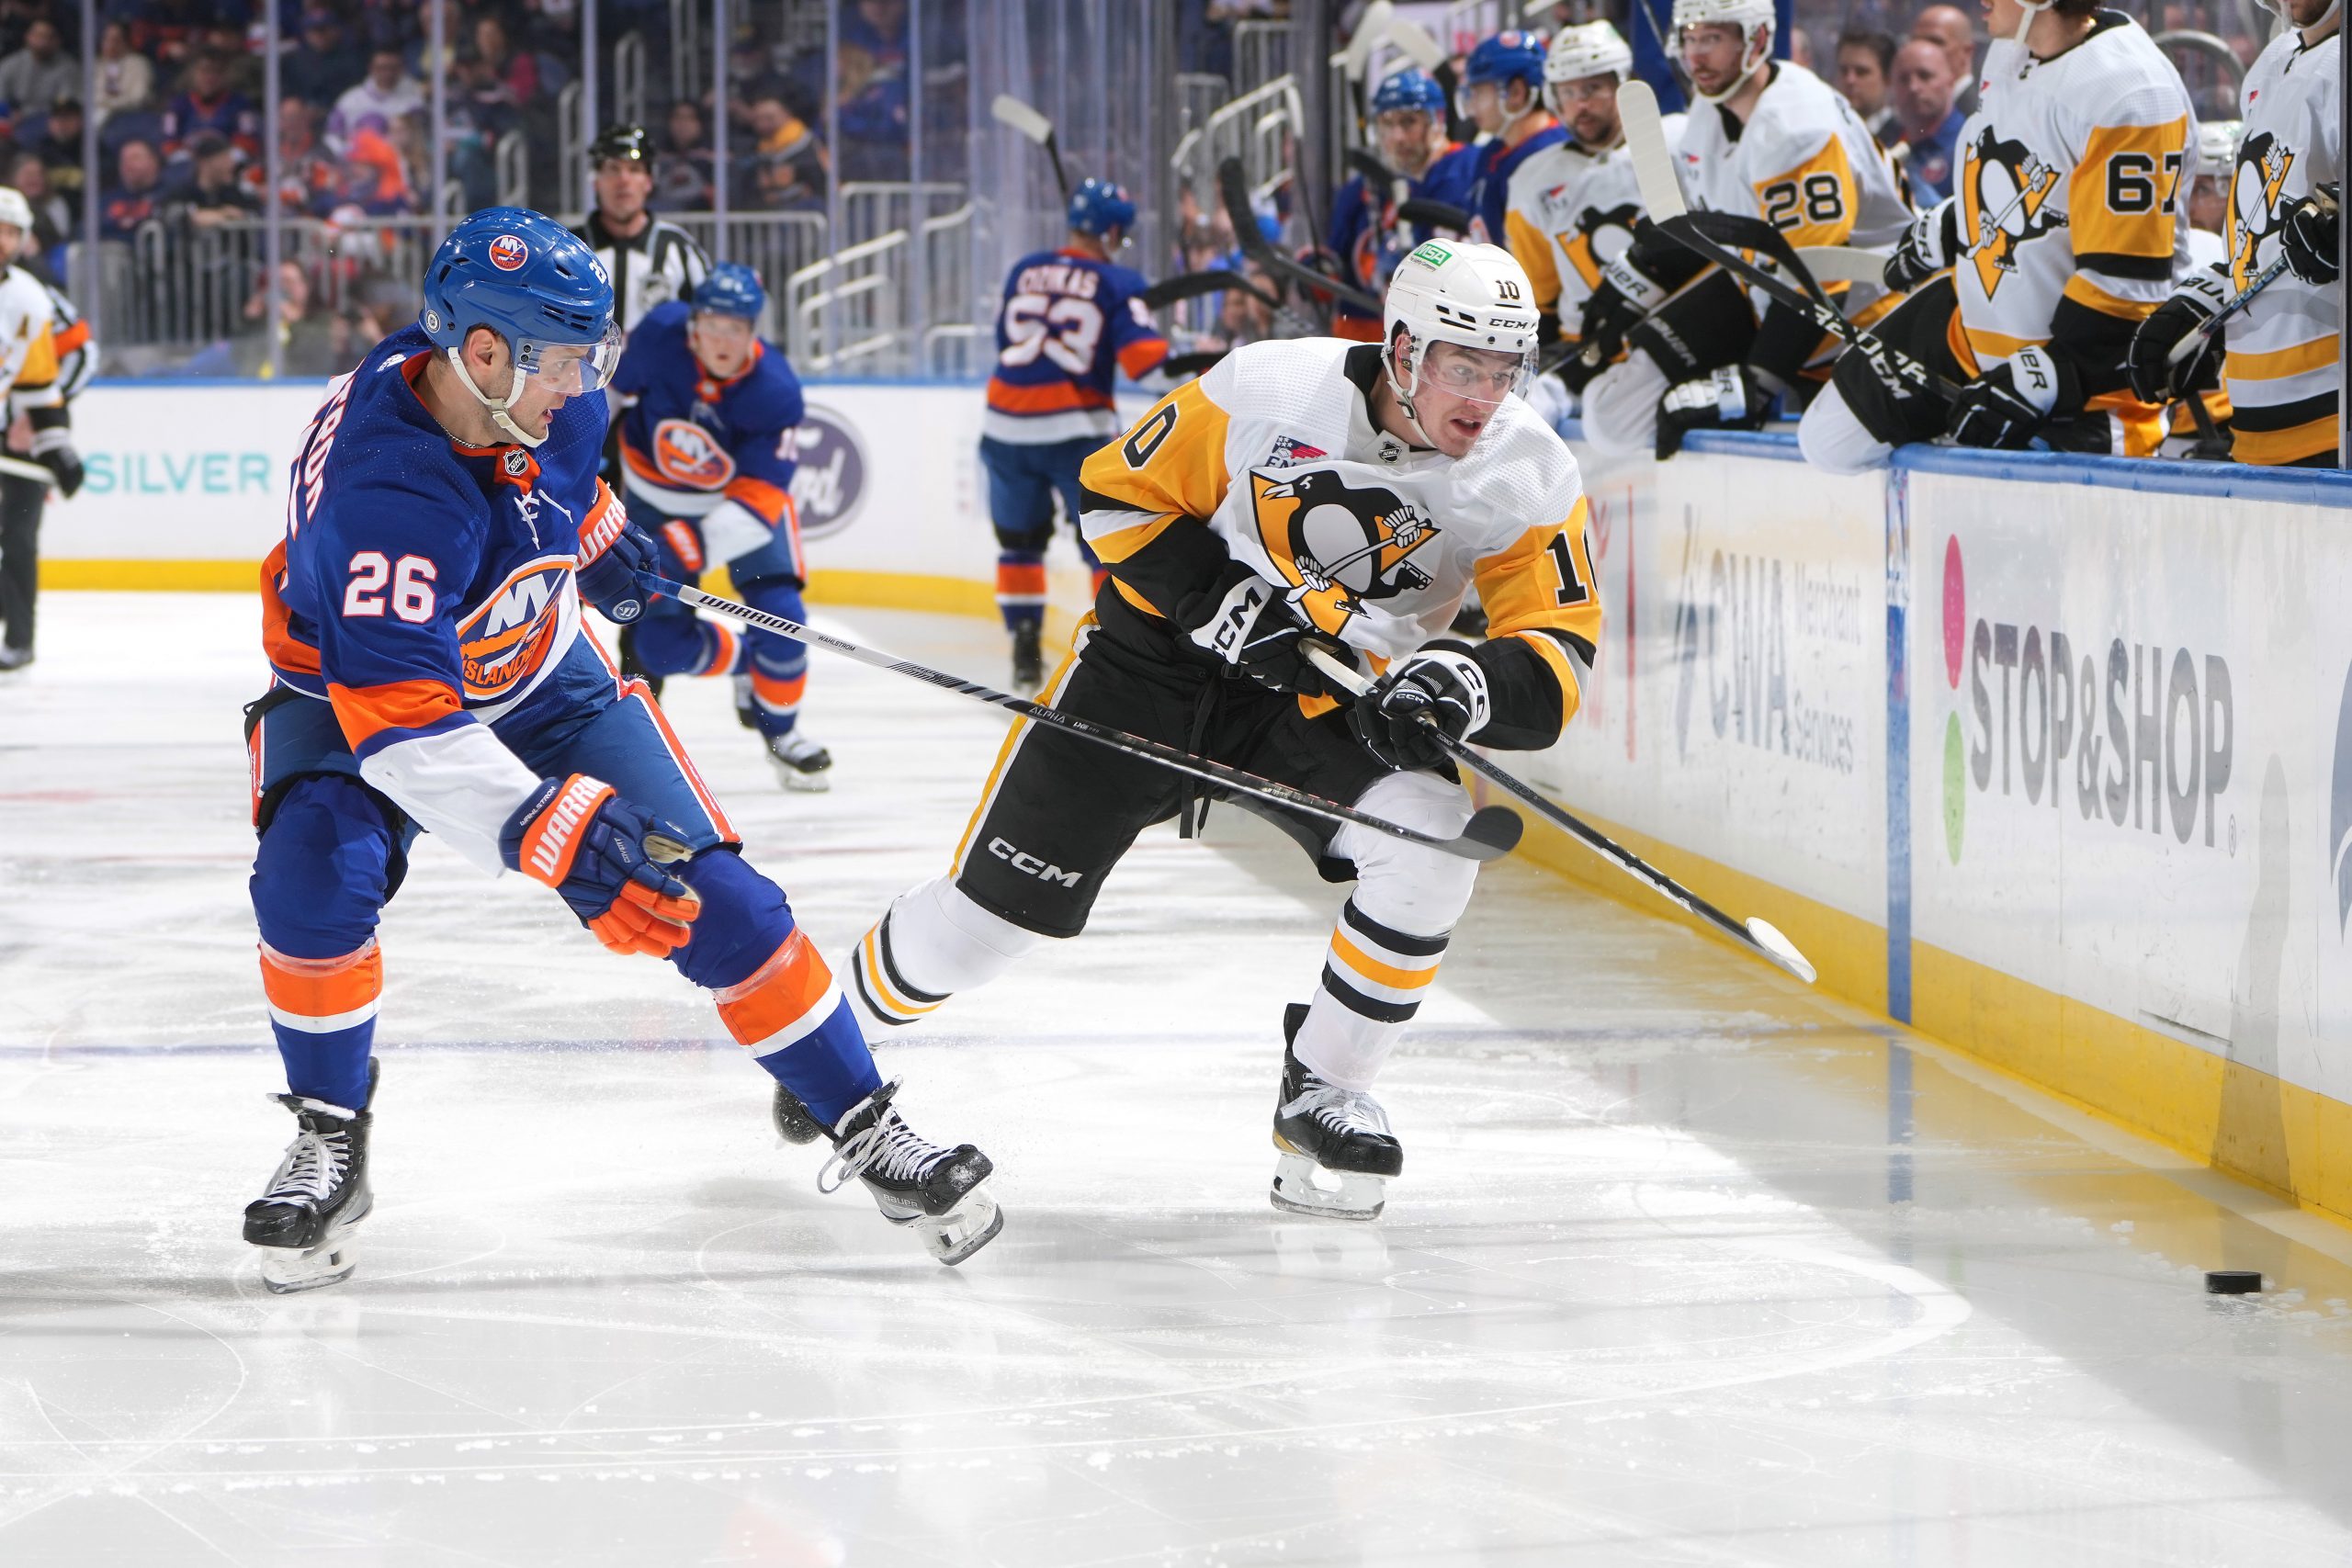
(1070, 324)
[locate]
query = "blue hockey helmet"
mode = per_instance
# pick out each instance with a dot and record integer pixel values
(1513, 56)
(1411, 88)
(731, 289)
(538, 287)
(1097, 207)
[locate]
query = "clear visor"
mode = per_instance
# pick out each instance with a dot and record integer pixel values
(571, 369)
(1474, 375)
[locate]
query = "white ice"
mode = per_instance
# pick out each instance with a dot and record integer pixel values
(1689, 1264)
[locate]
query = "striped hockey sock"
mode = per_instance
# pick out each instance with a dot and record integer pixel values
(1373, 979)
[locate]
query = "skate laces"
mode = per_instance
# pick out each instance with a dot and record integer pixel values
(887, 1148)
(1340, 1109)
(315, 1162)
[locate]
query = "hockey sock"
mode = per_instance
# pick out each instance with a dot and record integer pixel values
(322, 870)
(932, 942)
(323, 1011)
(778, 666)
(799, 1027)
(1021, 587)
(1373, 979)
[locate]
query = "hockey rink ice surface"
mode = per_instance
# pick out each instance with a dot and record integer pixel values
(1688, 1265)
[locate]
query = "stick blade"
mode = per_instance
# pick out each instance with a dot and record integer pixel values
(1493, 831)
(1414, 42)
(1842, 263)
(1010, 111)
(1652, 161)
(1780, 949)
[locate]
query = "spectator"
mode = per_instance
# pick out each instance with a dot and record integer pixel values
(420, 49)
(751, 76)
(880, 28)
(126, 78)
(872, 115)
(1801, 48)
(42, 73)
(682, 175)
(212, 194)
(384, 95)
(137, 196)
(52, 218)
(1950, 30)
(372, 180)
(241, 66)
(515, 70)
(326, 62)
(482, 110)
(307, 174)
(208, 104)
(787, 166)
(1865, 59)
(59, 147)
(1927, 123)
(311, 341)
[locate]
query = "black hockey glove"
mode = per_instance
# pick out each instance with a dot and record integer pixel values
(611, 554)
(1444, 684)
(2006, 408)
(1251, 628)
(2196, 299)
(1731, 397)
(1632, 283)
(1930, 245)
(2312, 233)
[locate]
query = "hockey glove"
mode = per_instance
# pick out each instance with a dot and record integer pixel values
(1440, 687)
(2007, 408)
(613, 550)
(1733, 397)
(578, 837)
(1632, 283)
(1930, 245)
(2196, 299)
(1252, 629)
(2311, 235)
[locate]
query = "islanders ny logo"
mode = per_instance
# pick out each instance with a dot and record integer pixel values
(687, 456)
(507, 252)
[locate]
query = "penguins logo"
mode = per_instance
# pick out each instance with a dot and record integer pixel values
(1598, 238)
(2003, 189)
(1337, 546)
(2258, 186)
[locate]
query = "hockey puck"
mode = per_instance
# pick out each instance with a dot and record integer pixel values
(2232, 1281)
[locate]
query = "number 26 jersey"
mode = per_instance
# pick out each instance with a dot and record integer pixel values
(1070, 324)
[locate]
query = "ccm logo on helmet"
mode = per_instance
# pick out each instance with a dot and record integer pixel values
(507, 252)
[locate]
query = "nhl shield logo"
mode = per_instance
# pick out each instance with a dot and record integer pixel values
(507, 251)
(515, 461)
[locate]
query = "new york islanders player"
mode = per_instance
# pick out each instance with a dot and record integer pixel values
(1409, 121)
(429, 675)
(1348, 491)
(706, 433)
(1769, 140)
(2284, 390)
(1502, 94)
(2067, 226)
(1072, 320)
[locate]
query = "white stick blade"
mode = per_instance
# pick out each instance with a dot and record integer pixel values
(1369, 27)
(1652, 161)
(1842, 263)
(1780, 949)
(1010, 111)
(1415, 42)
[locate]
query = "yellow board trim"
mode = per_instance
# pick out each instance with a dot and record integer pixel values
(2292, 1141)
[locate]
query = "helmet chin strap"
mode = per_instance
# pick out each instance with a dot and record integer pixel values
(501, 414)
(1405, 397)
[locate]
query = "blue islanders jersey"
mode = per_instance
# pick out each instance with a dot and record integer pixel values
(1365, 238)
(1070, 324)
(1490, 185)
(690, 444)
(423, 588)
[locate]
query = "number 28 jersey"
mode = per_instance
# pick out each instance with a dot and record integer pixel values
(1070, 324)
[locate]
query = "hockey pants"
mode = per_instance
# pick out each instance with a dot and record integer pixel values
(769, 574)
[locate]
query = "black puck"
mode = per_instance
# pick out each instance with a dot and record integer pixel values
(2232, 1281)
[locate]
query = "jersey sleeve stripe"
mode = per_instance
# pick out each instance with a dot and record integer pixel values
(1144, 356)
(2083, 291)
(2317, 355)
(417, 707)
(1534, 251)
(2120, 198)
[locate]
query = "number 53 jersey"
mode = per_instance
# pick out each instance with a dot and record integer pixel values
(1374, 541)
(1070, 324)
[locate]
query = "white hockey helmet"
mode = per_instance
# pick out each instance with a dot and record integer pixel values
(2279, 9)
(2217, 147)
(1593, 49)
(1454, 291)
(1748, 16)
(15, 209)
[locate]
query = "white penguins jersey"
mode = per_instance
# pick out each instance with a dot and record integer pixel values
(1803, 163)
(2069, 177)
(2280, 362)
(1570, 213)
(1374, 541)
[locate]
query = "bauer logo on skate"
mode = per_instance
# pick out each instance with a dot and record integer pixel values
(689, 457)
(2151, 730)
(829, 485)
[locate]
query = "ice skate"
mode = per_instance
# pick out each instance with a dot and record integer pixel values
(801, 763)
(1028, 660)
(15, 658)
(303, 1224)
(914, 1181)
(1338, 1153)
(747, 705)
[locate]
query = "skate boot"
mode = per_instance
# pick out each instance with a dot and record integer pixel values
(747, 710)
(1028, 660)
(801, 763)
(303, 1224)
(914, 1181)
(1324, 1130)
(632, 667)
(793, 1122)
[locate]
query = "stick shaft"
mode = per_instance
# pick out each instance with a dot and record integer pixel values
(1234, 779)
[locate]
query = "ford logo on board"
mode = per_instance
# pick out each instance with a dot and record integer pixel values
(829, 486)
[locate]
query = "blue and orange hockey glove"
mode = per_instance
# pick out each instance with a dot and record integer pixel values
(613, 550)
(598, 851)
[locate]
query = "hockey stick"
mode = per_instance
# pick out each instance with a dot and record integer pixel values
(1706, 233)
(1183, 366)
(1418, 210)
(2187, 348)
(24, 470)
(1233, 190)
(1010, 111)
(1194, 285)
(1490, 834)
(1843, 263)
(1755, 932)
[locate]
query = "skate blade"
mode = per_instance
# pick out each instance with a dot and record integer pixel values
(1352, 1195)
(286, 1271)
(956, 1234)
(805, 784)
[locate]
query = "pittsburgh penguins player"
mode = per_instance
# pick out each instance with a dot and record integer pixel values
(2281, 362)
(2067, 226)
(1769, 140)
(1318, 487)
